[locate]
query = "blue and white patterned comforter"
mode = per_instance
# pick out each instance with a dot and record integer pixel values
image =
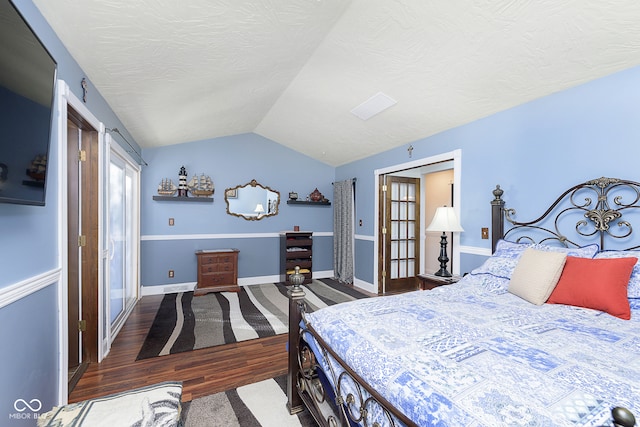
(472, 354)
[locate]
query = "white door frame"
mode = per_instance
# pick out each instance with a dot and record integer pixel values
(66, 97)
(456, 156)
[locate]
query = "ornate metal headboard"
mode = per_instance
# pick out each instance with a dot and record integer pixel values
(582, 215)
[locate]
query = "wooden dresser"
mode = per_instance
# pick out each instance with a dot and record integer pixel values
(217, 271)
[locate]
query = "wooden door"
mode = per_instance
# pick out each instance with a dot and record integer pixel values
(82, 220)
(76, 366)
(400, 209)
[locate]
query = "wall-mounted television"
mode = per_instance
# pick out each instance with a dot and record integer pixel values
(27, 93)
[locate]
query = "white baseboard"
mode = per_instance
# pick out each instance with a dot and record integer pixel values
(258, 280)
(365, 286)
(327, 274)
(167, 289)
(171, 288)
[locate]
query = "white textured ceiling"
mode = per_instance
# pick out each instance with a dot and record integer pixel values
(292, 70)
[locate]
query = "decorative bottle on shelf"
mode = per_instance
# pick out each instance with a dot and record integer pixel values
(316, 196)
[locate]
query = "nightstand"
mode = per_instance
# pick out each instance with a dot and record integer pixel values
(429, 281)
(217, 271)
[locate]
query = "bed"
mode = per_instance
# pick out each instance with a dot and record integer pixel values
(546, 332)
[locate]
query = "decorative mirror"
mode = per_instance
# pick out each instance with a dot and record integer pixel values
(252, 201)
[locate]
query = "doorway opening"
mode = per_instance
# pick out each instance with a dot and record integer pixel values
(92, 309)
(407, 197)
(438, 191)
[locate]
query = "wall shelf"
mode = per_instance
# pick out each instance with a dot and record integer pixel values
(182, 199)
(308, 203)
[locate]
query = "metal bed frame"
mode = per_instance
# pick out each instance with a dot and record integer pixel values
(585, 211)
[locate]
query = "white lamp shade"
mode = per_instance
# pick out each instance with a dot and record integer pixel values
(259, 208)
(445, 219)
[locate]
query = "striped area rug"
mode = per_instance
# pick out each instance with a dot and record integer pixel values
(184, 322)
(262, 404)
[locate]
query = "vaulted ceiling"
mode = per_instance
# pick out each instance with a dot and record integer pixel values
(292, 70)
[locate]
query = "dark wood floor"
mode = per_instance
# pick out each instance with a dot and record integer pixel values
(203, 372)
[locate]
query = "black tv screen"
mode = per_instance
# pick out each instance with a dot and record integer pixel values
(27, 93)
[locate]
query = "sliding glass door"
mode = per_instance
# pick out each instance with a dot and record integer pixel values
(122, 265)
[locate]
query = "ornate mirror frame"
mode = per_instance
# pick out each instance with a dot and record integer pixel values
(245, 201)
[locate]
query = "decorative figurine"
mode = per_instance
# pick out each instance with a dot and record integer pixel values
(201, 186)
(182, 182)
(38, 168)
(316, 196)
(167, 187)
(293, 195)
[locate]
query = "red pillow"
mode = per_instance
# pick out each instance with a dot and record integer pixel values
(600, 284)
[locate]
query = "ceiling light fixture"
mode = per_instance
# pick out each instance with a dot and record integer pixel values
(374, 105)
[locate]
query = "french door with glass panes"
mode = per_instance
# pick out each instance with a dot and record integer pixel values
(400, 198)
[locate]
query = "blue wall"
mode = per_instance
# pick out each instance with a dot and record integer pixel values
(28, 356)
(29, 246)
(230, 161)
(534, 151)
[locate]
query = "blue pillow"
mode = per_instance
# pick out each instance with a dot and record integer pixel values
(633, 290)
(507, 254)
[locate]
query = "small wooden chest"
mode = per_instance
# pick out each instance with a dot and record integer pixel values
(217, 271)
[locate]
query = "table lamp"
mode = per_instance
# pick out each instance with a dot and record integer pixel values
(444, 220)
(259, 210)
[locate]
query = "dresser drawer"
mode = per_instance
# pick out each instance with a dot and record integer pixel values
(216, 279)
(216, 268)
(305, 253)
(216, 259)
(302, 263)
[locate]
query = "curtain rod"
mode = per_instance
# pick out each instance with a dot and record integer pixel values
(133, 150)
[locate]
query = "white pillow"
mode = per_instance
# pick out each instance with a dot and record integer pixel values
(536, 275)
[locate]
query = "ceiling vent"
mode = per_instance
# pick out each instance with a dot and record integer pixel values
(374, 105)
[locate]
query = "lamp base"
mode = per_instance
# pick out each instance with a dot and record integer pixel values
(443, 258)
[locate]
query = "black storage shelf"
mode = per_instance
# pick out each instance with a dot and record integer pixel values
(302, 257)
